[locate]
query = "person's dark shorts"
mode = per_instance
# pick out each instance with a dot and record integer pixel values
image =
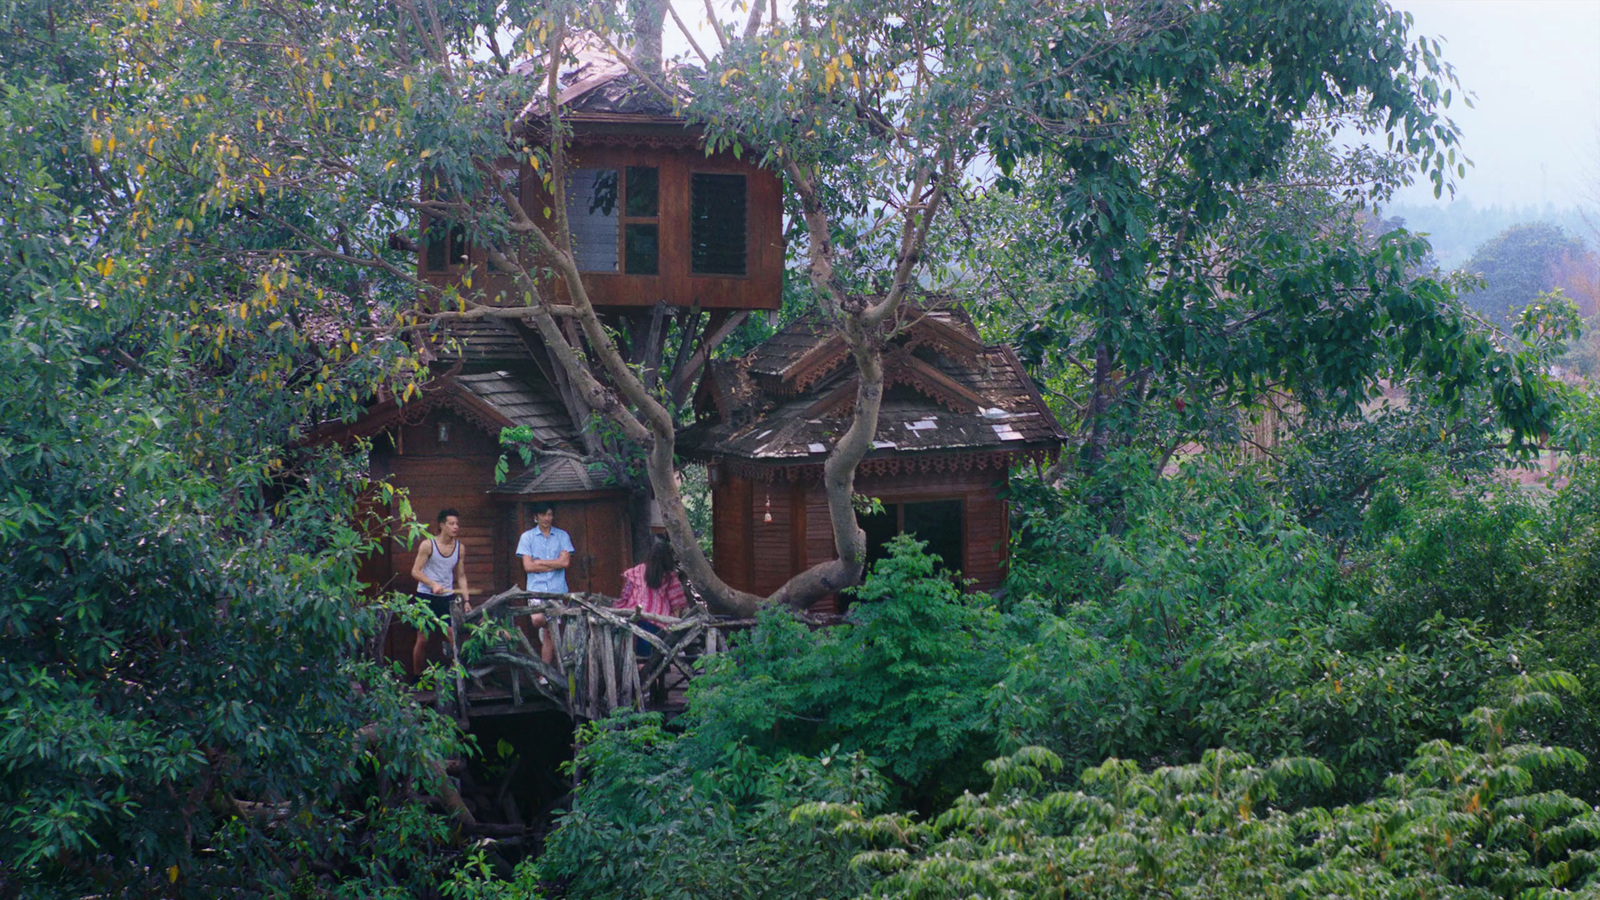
(641, 647)
(439, 606)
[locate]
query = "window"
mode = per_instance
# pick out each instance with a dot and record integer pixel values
(605, 203)
(938, 522)
(717, 212)
(447, 246)
(641, 229)
(591, 213)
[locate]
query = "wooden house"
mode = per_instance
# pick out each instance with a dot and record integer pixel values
(957, 415)
(443, 447)
(660, 228)
(654, 218)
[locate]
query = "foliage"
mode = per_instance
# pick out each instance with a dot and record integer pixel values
(1165, 271)
(1462, 822)
(901, 680)
(1516, 266)
(1458, 228)
(174, 646)
(184, 705)
(1471, 550)
(649, 822)
(1217, 618)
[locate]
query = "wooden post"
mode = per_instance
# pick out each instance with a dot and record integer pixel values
(630, 672)
(608, 660)
(593, 658)
(455, 657)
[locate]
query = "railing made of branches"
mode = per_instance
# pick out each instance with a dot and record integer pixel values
(596, 667)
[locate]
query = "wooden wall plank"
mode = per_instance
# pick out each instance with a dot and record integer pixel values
(801, 532)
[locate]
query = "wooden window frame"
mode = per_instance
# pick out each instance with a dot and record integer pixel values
(899, 502)
(688, 225)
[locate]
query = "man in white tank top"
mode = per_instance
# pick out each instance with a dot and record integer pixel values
(441, 573)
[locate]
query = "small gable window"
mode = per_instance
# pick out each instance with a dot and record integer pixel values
(717, 212)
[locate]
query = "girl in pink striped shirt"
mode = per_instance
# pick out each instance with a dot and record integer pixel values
(653, 586)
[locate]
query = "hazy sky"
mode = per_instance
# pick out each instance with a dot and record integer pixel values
(1534, 65)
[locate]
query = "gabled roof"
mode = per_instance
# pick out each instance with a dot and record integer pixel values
(492, 340)
(490, 400)
(520, 402)
(946, 392)
(596, 86)
(560, 474)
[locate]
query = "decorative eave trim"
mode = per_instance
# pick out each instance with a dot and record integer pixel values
(388, 413)
(948, 338)
(814, 365)
(556, 496)
(897, 464)
(933, 383)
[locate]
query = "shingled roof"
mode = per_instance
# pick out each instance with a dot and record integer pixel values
(521, 402)
(478, 342)
(594, 84)
(560, 474)
(946, 394)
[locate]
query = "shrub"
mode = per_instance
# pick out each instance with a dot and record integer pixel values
(902, 681)
(648, 822)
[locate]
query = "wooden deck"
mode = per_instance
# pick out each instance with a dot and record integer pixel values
(596, 668)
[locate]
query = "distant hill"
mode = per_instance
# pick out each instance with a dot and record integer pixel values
(1458, 230)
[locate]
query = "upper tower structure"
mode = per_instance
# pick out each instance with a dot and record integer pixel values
(654, 216)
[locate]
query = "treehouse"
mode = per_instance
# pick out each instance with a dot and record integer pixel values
(957, 415)
(661, 228)
(654, 217)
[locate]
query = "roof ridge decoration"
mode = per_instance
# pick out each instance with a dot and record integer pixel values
(825, 357)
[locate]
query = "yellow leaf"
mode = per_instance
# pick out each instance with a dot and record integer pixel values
(426, 154)
(95, 145)
(216, 46)
(327, 80)
(172, 874)
(406, 83)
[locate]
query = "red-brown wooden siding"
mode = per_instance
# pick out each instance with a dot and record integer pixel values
(731, 527)
(790, 543)
(759, 288)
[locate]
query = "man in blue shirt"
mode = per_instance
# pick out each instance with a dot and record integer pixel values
(546, 552)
